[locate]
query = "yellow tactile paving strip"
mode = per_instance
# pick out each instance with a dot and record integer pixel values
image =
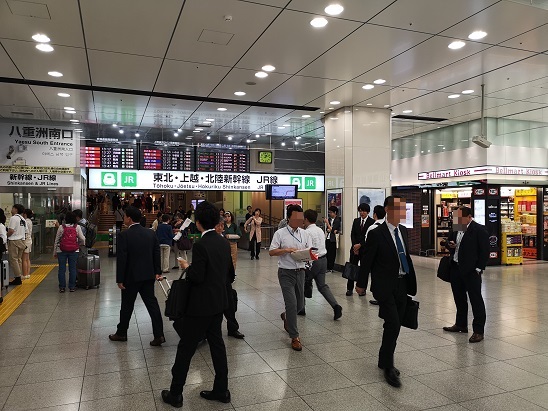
(16, 296)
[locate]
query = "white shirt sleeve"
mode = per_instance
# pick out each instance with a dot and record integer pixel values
(3, 233)
(276, 241)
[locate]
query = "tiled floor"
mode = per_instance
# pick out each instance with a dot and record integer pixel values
(55, 353)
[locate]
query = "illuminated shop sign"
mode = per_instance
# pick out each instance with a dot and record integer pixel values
(482, 170)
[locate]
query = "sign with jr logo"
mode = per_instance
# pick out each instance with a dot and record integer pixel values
(309, 183)
(111, 179)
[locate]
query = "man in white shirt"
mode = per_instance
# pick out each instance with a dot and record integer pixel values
(378, 215)
(319, 267)
(17, 229)
(291, 272)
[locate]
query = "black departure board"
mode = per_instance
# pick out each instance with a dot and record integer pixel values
(167, 158)
(113, 156)
(222, 160)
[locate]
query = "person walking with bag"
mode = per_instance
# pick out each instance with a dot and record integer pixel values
(66, 247)
(357, 236)
(207, 300)
(253, 227)
(164, 232)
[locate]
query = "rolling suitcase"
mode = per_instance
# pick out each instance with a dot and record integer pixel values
(4, 273)
(88, 271)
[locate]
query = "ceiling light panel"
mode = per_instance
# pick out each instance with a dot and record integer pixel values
(334, 9)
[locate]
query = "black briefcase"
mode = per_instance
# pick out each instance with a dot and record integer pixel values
(177, 298)
(351, 271)
(411, 317)
(444, 269)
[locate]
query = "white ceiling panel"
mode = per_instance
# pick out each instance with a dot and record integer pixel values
(123, 70)
(63, 27)
(257, 118)
(353, 9)
(301, 90)
(512, 109)
(189, 78)
(236, 79)
(61, 115)
(534, 40)
(169, 113)
(438, 105)
(429, 16)
(278, 46)
(34, 64)
(272, 3)
(80, 100)
(500, 23)
(364, 55)
(248, 22)
(19, 98)
(418, 62)
(119, 108)
(140, 27)
(7, 68)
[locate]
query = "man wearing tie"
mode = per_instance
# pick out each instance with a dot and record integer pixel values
(332, 228)
(392, 278)
(357, 236)
(469, 248)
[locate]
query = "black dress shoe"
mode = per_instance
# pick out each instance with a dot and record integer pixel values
(236, 334)
(173, 400)
(257, 257)
(337, 311)
(117, 337)
(252, 257)
(373, 302)
(392, 377)
(16, 281)
(395, 370)
(302, 312)
(348, 293)
(456, 329)
(213, 396)
(158, 341)
(476, 338)
(175, 267)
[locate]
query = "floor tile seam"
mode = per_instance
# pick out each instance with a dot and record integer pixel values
(112, 372)
(503, 393)
(326, 390)
(491, 381)
(111, 396)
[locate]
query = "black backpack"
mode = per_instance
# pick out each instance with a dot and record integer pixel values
(91, 233)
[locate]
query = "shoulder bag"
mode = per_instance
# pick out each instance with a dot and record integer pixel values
(444, 269)
(177, 297)
(350, 271)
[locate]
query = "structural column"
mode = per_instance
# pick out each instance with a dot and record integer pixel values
(357, 157)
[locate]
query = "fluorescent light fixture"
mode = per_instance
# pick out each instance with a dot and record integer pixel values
(380, 81)
(368, 86)
(455, 45)
(454, 96)
(221, 109)
(210, 119)
(330, 108)
(318, 22)
(55, 73)
(334, 118)
(115, 125)
(74, 121)
(257, 135)
(305, 116)
(230, 138)
(78, 130)
(41, 38)
(467, 91)
(477, 35)
(286, 125)
(261, 74)
(68, 108)
(188, 138)
(207, 122)
(63, 95)
(322, 112)
(44, 47)
(267, 134)
(268, 67)
(196, 131)
(199, 129)
(369, 104)
(239, 93)
(70, 111)
(386, 105)
(334, 9)
(335, 102)
(137, 135)
(407, 111)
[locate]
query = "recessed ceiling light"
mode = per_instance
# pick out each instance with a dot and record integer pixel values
(70, 111)
(386, 105)
(78, 130)
(55, 73)
(267, 134)
(422, 152)
(44, 47)
(455, 45)
(68, 108)
(368, 86)
(239, 93)
(229, 137)
(137, 135)
(63, 95)
(248, 141)
(179, 130)
(318, 22)
(467, 91)
(330, 108)
(121, 131)
(322, 112)
(454, 96)
(196, 131)
(407, 111)
(440, 145)
(296, 143)
(283, 143)
(380, 81)
(175, 134)
(477, 35)
(221, 109)
(298, 138)
(334, 9)
(208, 137)
(199, 129)
(115, 125)
(74, 121)
(369, 104)
(335, 102)
(257, 135)
(286, 125)
(334, 118)
(261, 74)
(210, 119)
(188, 138)
(347, 111)
(281, 128)
(305, 116)
(268, 67)
(41, 38)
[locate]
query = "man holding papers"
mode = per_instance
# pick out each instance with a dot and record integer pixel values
(291, 272)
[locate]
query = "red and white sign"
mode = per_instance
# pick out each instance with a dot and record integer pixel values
(481, 170)
(292, 201)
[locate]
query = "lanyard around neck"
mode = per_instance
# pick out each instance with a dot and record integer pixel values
(300, 235)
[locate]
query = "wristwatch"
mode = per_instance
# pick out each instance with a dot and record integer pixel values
(479, 270)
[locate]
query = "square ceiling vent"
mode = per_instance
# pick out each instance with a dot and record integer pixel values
(215, 37)
(29, 9)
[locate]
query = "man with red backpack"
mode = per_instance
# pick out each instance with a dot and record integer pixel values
(67, 244)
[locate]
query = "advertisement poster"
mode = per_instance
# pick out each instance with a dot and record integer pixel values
(425, 221)
(334, 198)
(292, 201)
(408, 215)
(371, 196)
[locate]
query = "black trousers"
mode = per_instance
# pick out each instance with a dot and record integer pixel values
(254, 246)
(354, 259)
(331, 253)
(146, 290)
(468, 282)
(230, 312)
(191, 330)
(392, 311)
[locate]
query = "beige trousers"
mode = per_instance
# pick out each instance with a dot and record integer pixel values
(16, 248)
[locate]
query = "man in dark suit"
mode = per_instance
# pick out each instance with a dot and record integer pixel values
(137, 268)
(332, 229)
(211, 264)
(357, 236)
(468, 244)
(392, 279)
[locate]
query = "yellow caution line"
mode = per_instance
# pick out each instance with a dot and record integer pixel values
(16, 296)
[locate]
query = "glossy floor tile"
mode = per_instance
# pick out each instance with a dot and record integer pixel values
(55, 353)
